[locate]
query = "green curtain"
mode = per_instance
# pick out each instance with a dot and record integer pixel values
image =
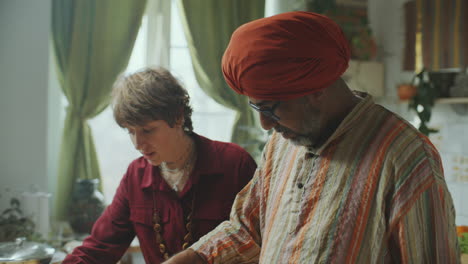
(92, 41)
(208, 26)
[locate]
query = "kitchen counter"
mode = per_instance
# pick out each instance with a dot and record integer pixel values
(464, 259)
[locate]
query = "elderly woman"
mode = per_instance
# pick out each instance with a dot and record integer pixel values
(181, 188)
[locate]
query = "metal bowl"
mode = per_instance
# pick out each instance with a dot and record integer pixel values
(25, 252)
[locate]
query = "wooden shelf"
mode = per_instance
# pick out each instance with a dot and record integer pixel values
(452, 100)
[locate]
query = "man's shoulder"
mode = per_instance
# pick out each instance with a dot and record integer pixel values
(405, 142)
(383, 131)
(389, 122)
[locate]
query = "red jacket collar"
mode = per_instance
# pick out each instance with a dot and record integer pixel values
(207, 163)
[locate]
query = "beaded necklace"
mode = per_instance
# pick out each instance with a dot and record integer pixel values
(188, 238)
(185, 172)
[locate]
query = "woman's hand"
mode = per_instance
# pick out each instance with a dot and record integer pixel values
(185, 257)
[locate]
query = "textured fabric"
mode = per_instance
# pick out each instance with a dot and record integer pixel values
(373, 193)
(285, 56)
(208, 25)
(93, 41)
(221, 170)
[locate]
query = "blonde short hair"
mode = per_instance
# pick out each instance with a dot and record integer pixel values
(150, 94)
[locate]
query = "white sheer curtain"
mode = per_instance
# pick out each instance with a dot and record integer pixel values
(158, 33)
(209, 118)
(273, 7)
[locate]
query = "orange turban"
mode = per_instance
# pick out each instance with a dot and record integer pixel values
(285, 56)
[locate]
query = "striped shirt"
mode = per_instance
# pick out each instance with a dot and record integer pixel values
(373, 193)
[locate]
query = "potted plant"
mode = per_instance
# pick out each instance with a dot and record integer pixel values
(462, 232)
(406, 91)
(423, 101)
(14, 224)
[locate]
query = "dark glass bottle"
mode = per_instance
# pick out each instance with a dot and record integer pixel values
(86, 207)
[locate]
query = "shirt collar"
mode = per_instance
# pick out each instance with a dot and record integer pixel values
(207, 164)
(350, 121)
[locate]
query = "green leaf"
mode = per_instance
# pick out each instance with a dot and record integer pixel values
(425, 98)
(463, 241)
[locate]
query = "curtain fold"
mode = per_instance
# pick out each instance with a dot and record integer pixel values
(92, 41)
(441, 34)
(208, 26)
(409, 58)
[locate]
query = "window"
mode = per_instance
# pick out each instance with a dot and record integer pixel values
(114, 148)
(207, 114)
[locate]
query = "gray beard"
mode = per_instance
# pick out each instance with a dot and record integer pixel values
(302, 141)
(298, 140)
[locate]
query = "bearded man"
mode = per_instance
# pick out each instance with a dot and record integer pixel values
(342, 180)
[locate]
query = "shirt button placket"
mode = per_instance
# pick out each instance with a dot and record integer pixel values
(297, 192)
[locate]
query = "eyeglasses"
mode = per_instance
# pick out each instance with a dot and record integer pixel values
(267, 111)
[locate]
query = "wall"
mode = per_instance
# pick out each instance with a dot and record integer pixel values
(452, 143)
(28, 104)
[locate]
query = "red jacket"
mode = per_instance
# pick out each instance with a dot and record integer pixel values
(221, 171)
